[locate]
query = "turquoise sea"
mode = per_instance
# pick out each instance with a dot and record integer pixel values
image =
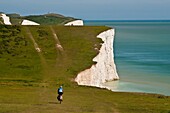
(142, 55)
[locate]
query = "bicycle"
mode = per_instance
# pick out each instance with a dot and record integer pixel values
(60, 98)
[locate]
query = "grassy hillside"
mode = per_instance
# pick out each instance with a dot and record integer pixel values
(29, 79)
(46, 19)
(19, 59)
(50, 19)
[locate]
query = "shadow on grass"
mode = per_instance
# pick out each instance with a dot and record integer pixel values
(53, 102)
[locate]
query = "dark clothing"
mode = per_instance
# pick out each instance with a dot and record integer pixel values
(60, 93)
(59, 97)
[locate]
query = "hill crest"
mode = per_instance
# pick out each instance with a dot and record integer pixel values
(44, 19)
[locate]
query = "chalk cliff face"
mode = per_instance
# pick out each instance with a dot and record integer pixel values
(105, 69)
(28, 22)
(75, 23)
(6, 19)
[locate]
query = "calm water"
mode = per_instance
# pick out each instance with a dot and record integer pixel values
(142, 56)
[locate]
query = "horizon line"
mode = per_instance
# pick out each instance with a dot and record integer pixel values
(133, 20)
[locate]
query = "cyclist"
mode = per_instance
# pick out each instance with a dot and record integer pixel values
(60, 93)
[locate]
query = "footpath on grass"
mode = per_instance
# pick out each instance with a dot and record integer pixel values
(58, 44)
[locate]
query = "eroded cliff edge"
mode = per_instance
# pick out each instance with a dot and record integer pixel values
(104, 69)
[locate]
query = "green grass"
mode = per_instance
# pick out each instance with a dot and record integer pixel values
(29, 80)
(17, 56)
(46, 19)
(15, 19)
(49, 19)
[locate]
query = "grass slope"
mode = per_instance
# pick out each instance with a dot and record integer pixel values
(29, 80)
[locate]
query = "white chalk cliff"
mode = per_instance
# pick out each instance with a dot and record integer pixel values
(28, 22)
(105, 69)
(75, 23)
(6, 19)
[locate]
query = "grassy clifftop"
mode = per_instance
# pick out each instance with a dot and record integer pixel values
(20, 60)
(46, 19)
(29, 78)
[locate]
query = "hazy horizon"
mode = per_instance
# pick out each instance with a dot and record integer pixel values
(92, 9)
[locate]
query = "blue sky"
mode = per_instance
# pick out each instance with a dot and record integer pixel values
(92, 9)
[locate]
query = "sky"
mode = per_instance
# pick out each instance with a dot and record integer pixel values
(92, 9)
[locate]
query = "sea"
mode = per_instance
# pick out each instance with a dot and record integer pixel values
(142, 55)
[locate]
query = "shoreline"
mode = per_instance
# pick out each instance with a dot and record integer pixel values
(128, 85)
(131, 87)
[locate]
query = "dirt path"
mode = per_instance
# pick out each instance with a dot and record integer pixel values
(42, 58)
(58, 44)
(33, 40)
(62, 57)
(37, 48)
(44, 83)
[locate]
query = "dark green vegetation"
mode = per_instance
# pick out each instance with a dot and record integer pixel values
(46, 19)
(29, 79)
(50, 19)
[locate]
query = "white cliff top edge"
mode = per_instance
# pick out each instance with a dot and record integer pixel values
(6, 19)
(28, 22)
(75, 23)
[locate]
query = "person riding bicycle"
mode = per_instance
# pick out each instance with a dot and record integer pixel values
(60, 93)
